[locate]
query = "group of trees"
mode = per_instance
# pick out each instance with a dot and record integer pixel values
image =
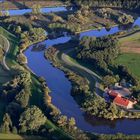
(4, 14)
(80, 85)
(73, 22)
(98, 107)
(99, 52)
(16, 94)
(119, 17)
(36, 9)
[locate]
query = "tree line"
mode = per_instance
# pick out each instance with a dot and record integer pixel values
(128, 4)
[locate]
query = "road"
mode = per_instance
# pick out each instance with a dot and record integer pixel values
(6, 51)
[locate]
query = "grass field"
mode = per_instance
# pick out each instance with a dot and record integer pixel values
(132, 61)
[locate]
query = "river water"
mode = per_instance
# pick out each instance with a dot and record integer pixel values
(43, 10)
(61, 87)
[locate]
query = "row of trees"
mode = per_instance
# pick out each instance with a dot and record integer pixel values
(128, 4)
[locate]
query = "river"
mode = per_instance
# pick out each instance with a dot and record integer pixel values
(61, 87)
(18, 12)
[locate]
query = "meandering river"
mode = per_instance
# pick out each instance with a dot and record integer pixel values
(61, 87)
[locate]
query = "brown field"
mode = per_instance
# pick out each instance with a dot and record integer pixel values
(131, 47)
(131, 44)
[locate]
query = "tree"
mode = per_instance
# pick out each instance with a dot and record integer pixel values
(62, 121)
(7, 124)
(71, 124)
(126, 19)
(22, 97)
(6, 13)
(36, 9)
(109, 80)
(18, 29)
(32, 119)
(22, 58)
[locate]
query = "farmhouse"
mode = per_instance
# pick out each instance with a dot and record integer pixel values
(120, 100)
(123, 102)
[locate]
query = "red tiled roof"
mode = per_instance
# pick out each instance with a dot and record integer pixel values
(121, 101)
(113, 93)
